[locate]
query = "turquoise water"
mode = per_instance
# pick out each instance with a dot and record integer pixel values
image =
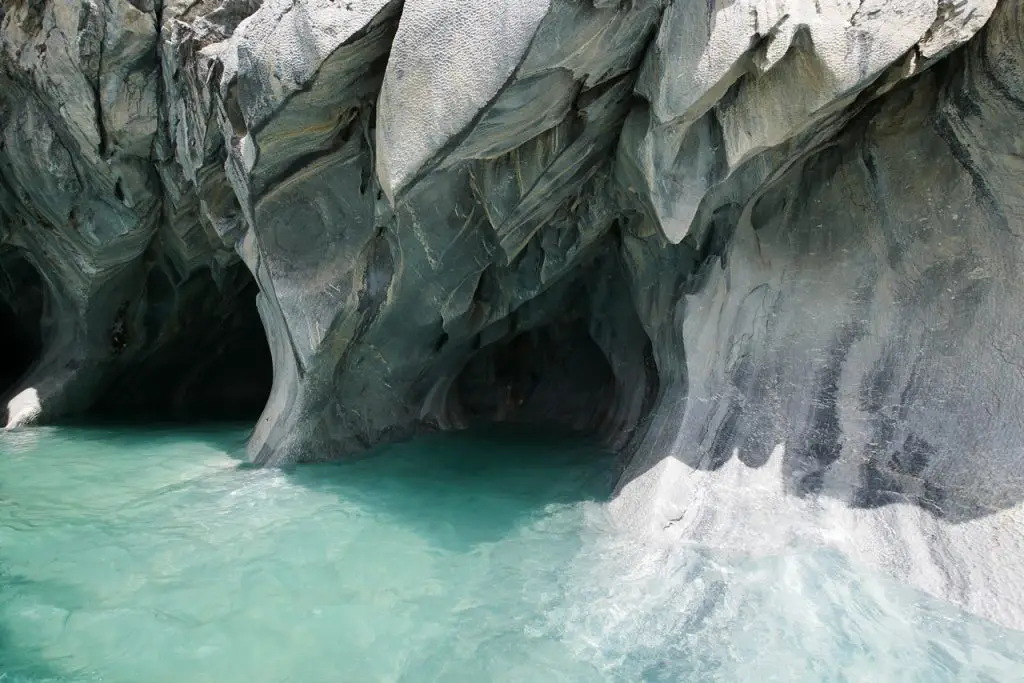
(147, 556)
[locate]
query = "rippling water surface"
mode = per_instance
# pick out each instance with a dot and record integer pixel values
(147, 556)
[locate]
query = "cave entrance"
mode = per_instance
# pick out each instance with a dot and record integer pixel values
(22, 297)
(554, 376)
(206, 359)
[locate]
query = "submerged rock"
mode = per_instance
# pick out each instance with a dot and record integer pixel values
(768, 249)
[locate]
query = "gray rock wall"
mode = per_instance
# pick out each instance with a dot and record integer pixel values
(853, 371)
(784, 235)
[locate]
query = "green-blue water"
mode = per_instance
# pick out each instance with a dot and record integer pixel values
(147, 556)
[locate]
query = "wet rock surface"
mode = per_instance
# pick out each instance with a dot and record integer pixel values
(785, 236)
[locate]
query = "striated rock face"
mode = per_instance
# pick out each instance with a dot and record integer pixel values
(770, 250)
(854, 371)
(94, 216)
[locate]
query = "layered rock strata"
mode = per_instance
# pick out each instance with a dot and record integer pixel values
(769, 250)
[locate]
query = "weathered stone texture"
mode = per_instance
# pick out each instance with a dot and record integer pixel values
(771, 250)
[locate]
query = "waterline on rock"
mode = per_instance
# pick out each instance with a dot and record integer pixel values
(152, 555)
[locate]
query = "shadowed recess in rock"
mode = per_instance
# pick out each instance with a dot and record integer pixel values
(21, 310)
(215, 366)
(555, 375)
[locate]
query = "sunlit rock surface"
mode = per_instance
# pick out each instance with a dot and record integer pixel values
(771, 250)
(854, 372)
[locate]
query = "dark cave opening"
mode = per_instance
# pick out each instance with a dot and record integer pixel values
(22, 298)
(553, 377)
(205, 357)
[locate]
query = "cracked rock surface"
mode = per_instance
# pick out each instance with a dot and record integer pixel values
(768, 249)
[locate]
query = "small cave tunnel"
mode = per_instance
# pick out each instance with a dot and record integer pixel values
(206, 356)
(22, 298)
(554, 377)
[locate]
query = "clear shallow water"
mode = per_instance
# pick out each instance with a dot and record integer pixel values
(147, 556)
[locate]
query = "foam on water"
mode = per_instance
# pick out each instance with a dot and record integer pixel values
(155, 555)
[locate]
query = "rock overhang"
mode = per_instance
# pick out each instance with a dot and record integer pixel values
(714, 187)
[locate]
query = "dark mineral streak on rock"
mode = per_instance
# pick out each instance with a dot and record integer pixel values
(771, 252)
